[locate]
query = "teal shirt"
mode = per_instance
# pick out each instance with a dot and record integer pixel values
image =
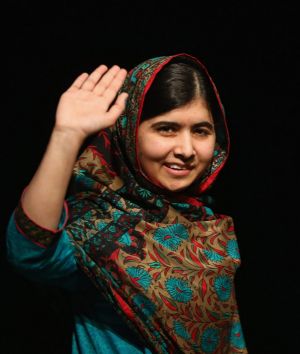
(98, 328)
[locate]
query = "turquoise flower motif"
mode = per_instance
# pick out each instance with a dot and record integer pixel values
(159, 203)
(140, 276)
(130, 204)
(83, 180)
(179, 290)
(171, 236)
(112, 229)
(144, 304)
(233, 249)
(180, 330)
(144, 193)
(210, 340)
(223, 285)
(119, 204)
(236, 336)
(181, 206)
(79, 233)
(125, 239)
(213, 256)
(117, 214)
(155, 265)
(101, 225)
(88, 215)
(209, 211)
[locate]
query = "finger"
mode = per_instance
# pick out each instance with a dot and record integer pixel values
(111, 91)
(119, 106)
(94, 77)
(79, 81)
(107, 79)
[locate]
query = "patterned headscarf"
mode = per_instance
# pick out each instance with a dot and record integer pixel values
(166, 263)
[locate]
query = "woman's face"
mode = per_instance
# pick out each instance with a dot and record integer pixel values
(175, 148)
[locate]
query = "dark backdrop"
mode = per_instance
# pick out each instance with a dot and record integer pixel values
(250, 51)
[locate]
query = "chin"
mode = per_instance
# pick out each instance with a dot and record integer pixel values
(176, 188)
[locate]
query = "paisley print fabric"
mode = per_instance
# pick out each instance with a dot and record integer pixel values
(166, 263)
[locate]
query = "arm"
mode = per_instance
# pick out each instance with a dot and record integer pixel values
(83, 109)
(53, 265)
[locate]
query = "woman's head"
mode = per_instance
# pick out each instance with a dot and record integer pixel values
(176, 135)
(169, 129)
(176, 147)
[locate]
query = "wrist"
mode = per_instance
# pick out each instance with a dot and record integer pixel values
(67, 137)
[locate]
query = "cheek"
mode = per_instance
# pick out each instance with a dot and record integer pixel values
(152, 149)
(206, 151)
(150, 155)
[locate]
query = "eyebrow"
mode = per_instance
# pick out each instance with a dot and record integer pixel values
(204, 124)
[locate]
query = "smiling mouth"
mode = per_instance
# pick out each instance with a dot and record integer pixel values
(177, 171)
(177, 167)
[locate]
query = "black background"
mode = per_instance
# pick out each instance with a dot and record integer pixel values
(250, 51)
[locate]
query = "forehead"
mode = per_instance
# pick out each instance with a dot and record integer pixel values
(194, 112)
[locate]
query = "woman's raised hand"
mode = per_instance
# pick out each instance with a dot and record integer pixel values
(86, 107)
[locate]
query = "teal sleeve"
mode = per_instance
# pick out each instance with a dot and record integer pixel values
(53, 265)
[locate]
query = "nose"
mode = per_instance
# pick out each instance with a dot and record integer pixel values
(184, 148)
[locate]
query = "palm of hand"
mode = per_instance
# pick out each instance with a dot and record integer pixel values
(86, 107)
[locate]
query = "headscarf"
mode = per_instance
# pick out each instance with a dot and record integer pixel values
(165, 262)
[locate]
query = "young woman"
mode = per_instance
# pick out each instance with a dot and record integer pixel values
(124, 227)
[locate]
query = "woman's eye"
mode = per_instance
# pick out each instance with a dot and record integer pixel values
(202, 132)
(166, 129)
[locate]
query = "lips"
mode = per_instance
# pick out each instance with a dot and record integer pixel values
(176, 170)
(178, 167)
